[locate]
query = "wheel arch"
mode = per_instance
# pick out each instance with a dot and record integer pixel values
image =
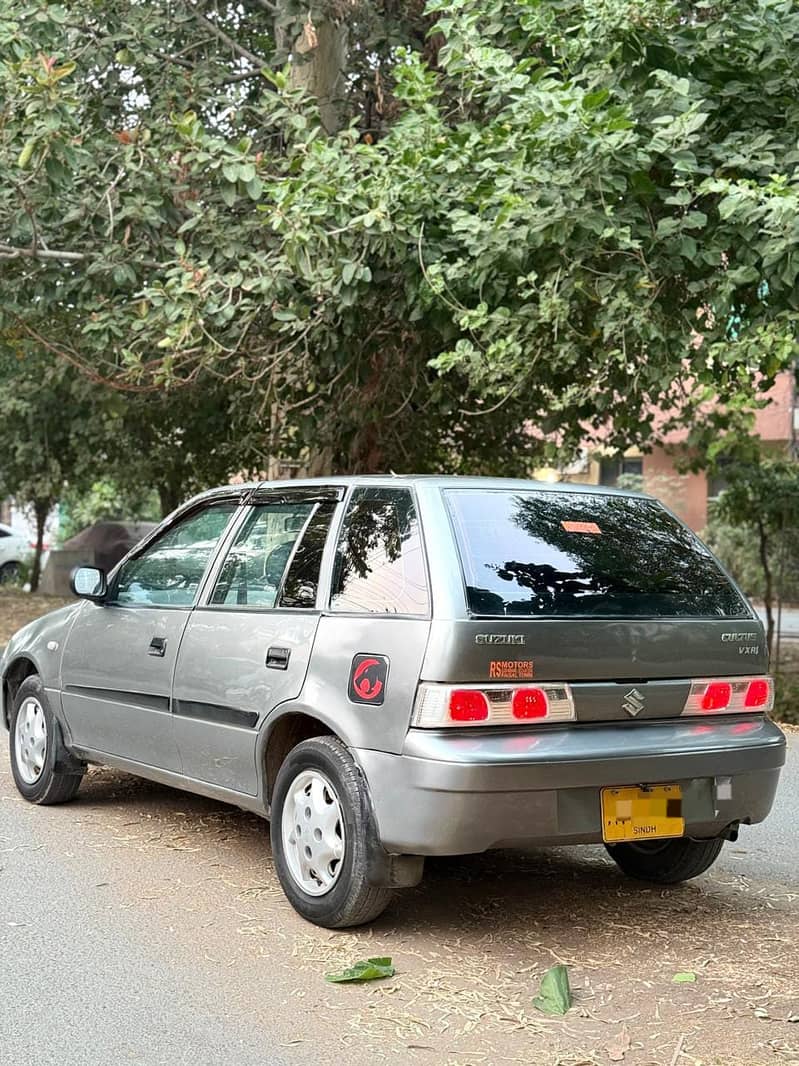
(283, 733)
(20, 670)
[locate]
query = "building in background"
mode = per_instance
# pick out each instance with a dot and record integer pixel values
(777, 425)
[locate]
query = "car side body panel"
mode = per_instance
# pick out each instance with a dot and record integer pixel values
(383, 723)
(224, 687)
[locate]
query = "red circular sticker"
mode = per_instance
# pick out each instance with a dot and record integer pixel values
(368, 676)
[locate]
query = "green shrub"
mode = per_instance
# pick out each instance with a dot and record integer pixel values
(737, 548)
(786, 704)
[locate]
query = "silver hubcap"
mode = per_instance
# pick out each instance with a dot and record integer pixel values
(313, 832)
(30, 741)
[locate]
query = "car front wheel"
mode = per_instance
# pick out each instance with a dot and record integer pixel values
(43, 770)
(321, 827)
(666, 862)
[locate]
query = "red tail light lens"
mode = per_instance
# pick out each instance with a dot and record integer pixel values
(758, 693)
(717, 696)
(495, 705)
(467, 705)
(530, 703)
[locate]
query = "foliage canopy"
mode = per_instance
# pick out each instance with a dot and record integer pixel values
(556, 213)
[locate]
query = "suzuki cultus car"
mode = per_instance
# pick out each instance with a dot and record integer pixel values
(388, 668)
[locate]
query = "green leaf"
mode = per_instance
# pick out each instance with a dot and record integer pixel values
(26, 153)
(554, 995)
(642, 184)
(348, 273)
(254, 188)
(591, 101)
(685, 978)
(371, 970)
(63, 71)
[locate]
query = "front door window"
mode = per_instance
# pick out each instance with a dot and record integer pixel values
(169, 571)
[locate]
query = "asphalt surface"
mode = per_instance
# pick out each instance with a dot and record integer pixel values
(106, 956)
(769, 852)
(788, 620)
(84, 982)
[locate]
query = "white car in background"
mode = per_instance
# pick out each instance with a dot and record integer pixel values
(14, 550)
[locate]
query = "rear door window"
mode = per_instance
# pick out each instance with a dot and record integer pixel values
(276, 557)
(550, 553)
(379, 566)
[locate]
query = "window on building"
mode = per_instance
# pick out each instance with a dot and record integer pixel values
(610, 470)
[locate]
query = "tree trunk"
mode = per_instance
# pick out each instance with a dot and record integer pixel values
(768, 583)
(168, 498)
(318, 65)
(41, 509)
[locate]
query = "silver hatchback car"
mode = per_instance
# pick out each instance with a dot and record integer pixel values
(388, 668)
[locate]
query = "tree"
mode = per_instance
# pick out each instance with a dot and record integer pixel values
(506, 217)
(762, 494)
(47, 421)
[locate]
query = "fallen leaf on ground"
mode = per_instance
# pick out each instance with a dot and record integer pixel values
(371, 970)
(554, 995)
(684, 978)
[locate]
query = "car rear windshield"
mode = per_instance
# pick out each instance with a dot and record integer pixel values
(546, 553)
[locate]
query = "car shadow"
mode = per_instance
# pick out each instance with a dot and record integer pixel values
(507, 893)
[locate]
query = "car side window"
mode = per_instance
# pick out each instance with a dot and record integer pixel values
(277, 541)
(169, 571)
(379, 566)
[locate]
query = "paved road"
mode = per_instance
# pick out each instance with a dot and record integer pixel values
(789, 622)
(84, 983)
(770, 851)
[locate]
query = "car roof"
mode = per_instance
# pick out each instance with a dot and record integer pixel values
(449, 481)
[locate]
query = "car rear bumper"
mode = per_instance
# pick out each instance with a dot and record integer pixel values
(452, 794)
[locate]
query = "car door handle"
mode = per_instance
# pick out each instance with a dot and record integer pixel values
(278, 658)
(157, 647)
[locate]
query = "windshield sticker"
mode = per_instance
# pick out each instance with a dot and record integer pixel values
(510, 669)
(368, 677)
(581, 527)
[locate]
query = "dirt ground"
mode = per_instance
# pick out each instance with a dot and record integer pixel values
(470, 946)
(17, 608)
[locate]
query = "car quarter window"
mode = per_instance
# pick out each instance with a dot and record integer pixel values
(379, 566)
(276, 557)
(169, 571)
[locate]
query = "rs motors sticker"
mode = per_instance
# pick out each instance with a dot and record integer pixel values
(368, 677)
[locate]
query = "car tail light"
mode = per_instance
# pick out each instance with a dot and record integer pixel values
(529, 703)
(759, 693)
(467, 705)
(491, 705)
(730, 695)
(717, 696)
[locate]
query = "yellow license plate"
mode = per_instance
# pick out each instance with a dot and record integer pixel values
(642, 813)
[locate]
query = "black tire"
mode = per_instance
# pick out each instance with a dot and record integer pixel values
(666, 862)
(9, 572)
(351, 900)
(61, 773)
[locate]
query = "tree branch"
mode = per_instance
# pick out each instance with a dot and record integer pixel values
(8, 251)
(245, 53)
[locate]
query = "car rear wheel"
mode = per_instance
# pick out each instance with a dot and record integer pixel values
(666, 862)
(43, 770)
(321, 828)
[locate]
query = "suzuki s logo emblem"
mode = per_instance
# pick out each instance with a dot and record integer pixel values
(634, 702)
